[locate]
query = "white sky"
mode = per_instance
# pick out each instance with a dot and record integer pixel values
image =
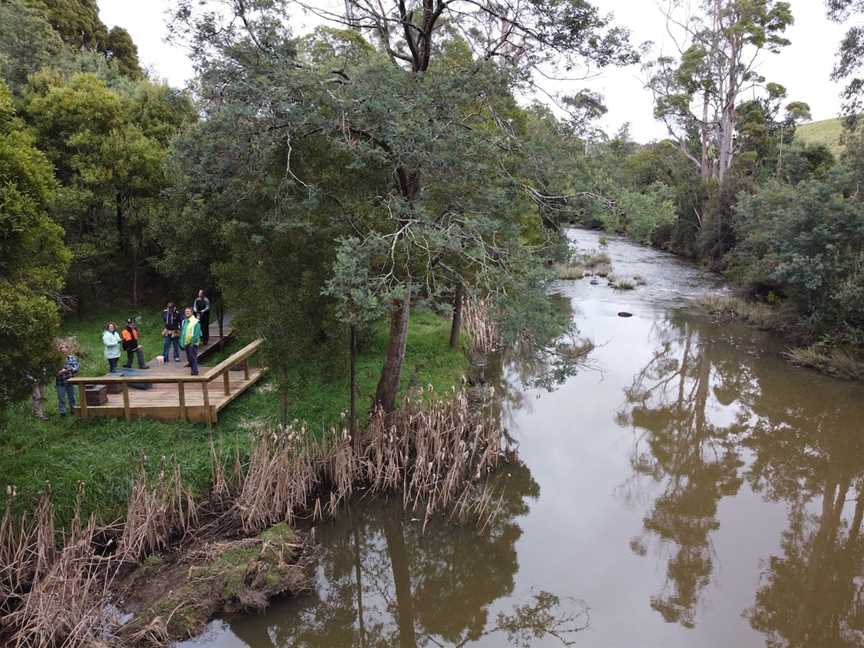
(804, 67)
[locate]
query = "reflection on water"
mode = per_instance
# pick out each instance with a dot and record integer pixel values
(806, 448)
(693, 491)
(382, 582)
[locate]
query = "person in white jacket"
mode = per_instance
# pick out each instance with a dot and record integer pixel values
(112, 342)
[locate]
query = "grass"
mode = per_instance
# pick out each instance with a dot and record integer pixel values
(828, 132)
(728, 308)
(841, 363)
(103, 453)
(585, 265)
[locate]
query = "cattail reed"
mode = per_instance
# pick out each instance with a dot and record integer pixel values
(481, 326)
(435, 451)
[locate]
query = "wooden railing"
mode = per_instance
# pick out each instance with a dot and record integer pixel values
(241, 357)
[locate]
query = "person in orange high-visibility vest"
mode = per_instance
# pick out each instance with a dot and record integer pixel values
(132, 346)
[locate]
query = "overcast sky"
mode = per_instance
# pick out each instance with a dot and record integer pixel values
(804, 67)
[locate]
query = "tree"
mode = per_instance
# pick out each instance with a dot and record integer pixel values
(27, 43)
(76, 21)
(108, 145)
(405, 113)
(33, 259)
(120, 47)
(850, 56)
(805, 241)
(697, 93)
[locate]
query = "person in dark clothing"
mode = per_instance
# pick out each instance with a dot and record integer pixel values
(132, 346)
(201, 309)
(65, 391)
(172, 319)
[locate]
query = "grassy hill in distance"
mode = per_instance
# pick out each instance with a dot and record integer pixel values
(827, 132)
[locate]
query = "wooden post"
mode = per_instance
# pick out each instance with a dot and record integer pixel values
(246, 368)
(181, 392)
(82, 400)
(206, 394)
(126, 411)
(226, 381)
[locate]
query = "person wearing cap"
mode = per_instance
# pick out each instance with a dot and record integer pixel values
(132, 346)
(171, 333)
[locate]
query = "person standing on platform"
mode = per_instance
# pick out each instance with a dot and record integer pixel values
(132, 345)
(201, 308)
(190, 338)
(171, 333)
(111, 340)
(65, 391)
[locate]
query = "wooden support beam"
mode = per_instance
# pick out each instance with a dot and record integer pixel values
(246, 369)
(226, 381)
(181, 392)
(207, 414)
(82, 400)
(126, 412)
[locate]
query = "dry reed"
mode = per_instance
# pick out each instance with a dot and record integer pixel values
(436, 451)
(480, 325)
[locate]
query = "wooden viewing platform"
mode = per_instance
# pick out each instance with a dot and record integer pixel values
(175, 394)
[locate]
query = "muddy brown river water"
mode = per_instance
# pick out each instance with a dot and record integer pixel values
(688, 489)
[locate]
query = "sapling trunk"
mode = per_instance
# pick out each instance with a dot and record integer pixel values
(456, 325)
(355, 439)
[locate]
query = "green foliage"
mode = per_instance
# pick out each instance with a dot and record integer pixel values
(828, 132)
(108, 146)
(639, 213)
(807, 242)
(27, 42)
(33, 259)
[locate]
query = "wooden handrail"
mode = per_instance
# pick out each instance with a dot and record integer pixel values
(212, 373)
(233, 359)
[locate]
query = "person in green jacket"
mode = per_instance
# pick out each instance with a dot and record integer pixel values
(190, 338)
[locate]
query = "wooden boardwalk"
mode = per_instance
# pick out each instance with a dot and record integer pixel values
(176, 395)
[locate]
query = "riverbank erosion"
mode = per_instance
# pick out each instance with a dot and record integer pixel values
(435, 452)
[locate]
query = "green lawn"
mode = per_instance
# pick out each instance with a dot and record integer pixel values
(827, 132)
(104, 453)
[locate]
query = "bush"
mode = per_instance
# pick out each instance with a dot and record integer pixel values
(808, 241)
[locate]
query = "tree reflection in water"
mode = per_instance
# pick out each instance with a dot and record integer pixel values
(810, 455)
(695, 461)
(383, 582)
(807, 451)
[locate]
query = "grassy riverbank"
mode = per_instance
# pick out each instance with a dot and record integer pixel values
(842, 362)
(103, 453)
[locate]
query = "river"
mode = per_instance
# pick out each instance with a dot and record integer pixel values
(686, 489)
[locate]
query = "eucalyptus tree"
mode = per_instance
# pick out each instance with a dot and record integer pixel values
(696, 93)
(407, 97)
(850, 59)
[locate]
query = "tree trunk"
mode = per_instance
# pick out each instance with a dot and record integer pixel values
(284, 407)
(121, 225)
(456, 326)
(388, 384)
(355, 438)
(135, 276)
